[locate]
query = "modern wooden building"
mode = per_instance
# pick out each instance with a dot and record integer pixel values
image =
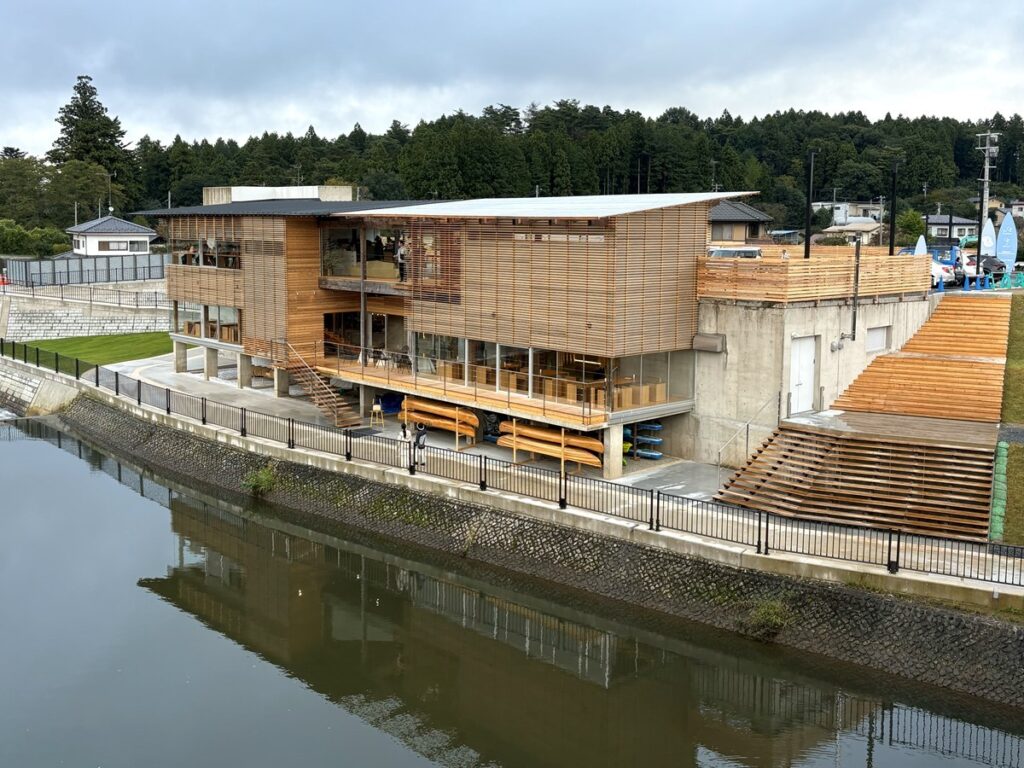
(571, 313)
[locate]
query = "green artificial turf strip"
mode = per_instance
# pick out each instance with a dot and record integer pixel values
(101, 350)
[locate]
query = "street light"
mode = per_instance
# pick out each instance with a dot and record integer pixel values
(807, 211)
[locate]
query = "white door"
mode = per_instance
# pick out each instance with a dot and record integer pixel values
(802, 353)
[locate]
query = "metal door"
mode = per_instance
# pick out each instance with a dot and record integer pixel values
(802, 363)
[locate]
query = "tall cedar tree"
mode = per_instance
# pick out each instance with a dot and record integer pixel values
(88, 133)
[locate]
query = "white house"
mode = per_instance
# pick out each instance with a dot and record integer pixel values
(110, 236)
(937, 225)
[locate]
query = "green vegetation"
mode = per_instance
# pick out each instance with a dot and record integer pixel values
(1013, 523)
(260, 481)
(1013, 413)
(767, 619)
(38, 241)
(1013, 383)
(565, 148)
(102, 350)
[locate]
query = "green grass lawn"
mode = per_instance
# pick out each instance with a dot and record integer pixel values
(102, 350)
(1013, 413)
(1013, 383)
(1013, 527)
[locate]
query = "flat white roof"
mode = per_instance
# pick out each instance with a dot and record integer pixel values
(580, 207)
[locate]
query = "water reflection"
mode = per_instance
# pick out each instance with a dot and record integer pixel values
(466, 674)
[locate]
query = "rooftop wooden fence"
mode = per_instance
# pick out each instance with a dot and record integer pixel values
(783, 275)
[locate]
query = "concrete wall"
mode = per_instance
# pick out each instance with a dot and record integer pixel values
(755, 368)
(26, 393)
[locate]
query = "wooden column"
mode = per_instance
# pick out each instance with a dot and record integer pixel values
(363, 330)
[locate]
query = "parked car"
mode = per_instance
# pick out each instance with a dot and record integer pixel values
(944, 266)
(737, 252)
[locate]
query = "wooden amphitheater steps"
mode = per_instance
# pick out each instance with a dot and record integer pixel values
(882, 458)
(323, 396)
(883, 481)
(960, 349)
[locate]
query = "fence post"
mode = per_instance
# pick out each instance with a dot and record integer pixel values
(3, 348)
(767, 518)
(96, 373)
(167, 399)
(37, 356)
(412, 458)
(117, 383)
(56, 362)
(483, 472)
(654, 503)
(348, 445)
(24, 353)
(138, 393)
(563, 485)
(78, 369)
(759, 531)
(203, 411)
(241, 426)
(291, 433)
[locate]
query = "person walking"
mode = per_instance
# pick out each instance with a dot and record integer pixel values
(400, 260)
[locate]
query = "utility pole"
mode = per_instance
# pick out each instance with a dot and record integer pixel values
(807, 210)
(714, 168)
(892, 209)
(988, 145)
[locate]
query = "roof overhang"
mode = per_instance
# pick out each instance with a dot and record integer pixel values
(575, 208)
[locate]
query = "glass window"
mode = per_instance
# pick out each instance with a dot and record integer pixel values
(113, 245)
(878, 338)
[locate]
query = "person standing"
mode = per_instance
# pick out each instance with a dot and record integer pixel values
(420, 442)
(400, 260)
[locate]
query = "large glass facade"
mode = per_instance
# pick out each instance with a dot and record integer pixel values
(206, 252)
(342, 253)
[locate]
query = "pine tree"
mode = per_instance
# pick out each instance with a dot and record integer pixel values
(88, 133)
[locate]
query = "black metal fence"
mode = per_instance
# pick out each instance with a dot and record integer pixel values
(85, 270)
(764, 531)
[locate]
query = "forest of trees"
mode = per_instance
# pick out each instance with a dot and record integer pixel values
(566, 148)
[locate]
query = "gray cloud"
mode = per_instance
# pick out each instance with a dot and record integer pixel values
(206, 69)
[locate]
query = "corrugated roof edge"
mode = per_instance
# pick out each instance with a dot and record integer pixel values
(296, 207)
(579, 207)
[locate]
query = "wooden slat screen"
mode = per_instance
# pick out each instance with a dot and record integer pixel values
(205, 285)
(619, 286)
(828, 274)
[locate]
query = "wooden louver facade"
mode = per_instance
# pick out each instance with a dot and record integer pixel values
(624, 285)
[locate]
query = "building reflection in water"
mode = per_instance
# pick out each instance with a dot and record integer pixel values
(466, 674)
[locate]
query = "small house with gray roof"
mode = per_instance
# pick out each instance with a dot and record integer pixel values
(109, 236)
(733, 221)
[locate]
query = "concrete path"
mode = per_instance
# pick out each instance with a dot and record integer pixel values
(683, 478)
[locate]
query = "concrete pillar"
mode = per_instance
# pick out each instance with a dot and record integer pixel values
(365, 400)
(180, 357)
(280, 382)
(613, 452)
(244, 371)
(209, 363)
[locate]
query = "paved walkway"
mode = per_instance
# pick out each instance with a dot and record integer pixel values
(677, 476)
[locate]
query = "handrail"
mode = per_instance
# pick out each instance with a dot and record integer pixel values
(315, 379)
(777, 397)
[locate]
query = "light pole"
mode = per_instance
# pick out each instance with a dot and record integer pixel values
(807, 210)
(892, 209)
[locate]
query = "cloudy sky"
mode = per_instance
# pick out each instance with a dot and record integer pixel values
(203, 68)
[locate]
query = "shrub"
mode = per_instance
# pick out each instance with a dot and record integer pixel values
(767, 619)
(260, 481)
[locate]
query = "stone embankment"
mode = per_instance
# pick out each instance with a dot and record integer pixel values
(965, 652)
(23, 318)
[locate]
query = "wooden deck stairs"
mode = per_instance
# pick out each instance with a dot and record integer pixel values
(882, 457)
(321, 393)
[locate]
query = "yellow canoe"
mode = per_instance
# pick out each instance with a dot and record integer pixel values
(553, 436)
(463, 415)
(575, 455)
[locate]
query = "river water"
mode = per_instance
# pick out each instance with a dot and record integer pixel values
(147, 625)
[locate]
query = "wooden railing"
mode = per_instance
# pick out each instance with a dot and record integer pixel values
(782, 275)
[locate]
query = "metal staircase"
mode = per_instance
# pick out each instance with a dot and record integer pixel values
(320, 392)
